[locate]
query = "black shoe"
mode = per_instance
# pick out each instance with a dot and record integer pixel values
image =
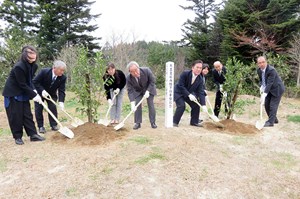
(175, 125)
(136, 126)
(19, 141)
(276, 121)
(42, 130)
(54, 128)
(36, 137)
(153, 125)
(197, 125)
(268, 124)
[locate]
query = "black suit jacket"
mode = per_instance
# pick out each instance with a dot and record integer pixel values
(117, 81)
(43, 82)
(274, 84)
(219, 79)
(19, 81)
(146, 82)
(184, 87)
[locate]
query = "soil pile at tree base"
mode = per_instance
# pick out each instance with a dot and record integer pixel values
(89, 134)
(232, 127)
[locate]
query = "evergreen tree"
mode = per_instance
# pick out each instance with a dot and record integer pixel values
(65, 24)
(197, 33)
(253, 27)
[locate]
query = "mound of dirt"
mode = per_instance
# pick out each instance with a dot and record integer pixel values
(232, 127)
(89, 134)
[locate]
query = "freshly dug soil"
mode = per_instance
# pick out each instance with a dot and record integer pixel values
(90, 134)
(232, 127)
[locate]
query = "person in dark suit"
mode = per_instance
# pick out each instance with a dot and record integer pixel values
(271, 89)
(17, 91)
(49, 82)
(115, 82)
(189, 87)
(218, 74)
(140, 82)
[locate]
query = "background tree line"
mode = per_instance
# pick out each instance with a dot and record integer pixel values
(220, 30)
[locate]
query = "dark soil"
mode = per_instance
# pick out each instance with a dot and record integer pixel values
(90, 134)
(232, 127)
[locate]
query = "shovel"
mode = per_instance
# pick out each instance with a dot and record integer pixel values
(63, 130)
(105, 121)
(213, 117)
(260, 123)
(123, 122)
(75, 121)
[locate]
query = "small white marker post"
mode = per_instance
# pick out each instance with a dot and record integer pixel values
(169, 96)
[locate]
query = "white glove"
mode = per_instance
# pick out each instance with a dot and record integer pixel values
(263, 97)
(35, 91)
(110, 103)
(61, 105)
(192, 98)
(204, 108)
(262, 89)
(133, 108)
(224, 94)
(221, 88)
(45, 94)
(116, 92)
(205, 91)
(38, 99)
(147, 94)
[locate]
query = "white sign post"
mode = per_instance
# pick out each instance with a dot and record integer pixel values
(169, 95)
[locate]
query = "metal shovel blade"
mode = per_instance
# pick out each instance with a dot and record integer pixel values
(119, 126)
(215, 118)
(76, 122)
(260, 124)
(104, 122)
(66, 131)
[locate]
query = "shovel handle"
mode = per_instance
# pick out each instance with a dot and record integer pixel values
(111, 105)
(50, 99)
(135, 109)
(52, 115)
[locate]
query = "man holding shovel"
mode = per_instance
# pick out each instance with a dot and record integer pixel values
(49, 82)
(140, 83)
(190, 86)
(271, 89)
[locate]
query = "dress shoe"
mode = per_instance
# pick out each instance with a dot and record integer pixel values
(136, 126)
(197, 125)
(153, 125)
(42, 130)
(276, 121)
(36, 137)
(175, 125)
(54, 128)
(19, 141)
(268, 124)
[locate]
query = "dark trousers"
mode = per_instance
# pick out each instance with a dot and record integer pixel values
(38, 108)
(271, 106)
(180, 108)
(138, 113)
(19, 115)
(218, 103)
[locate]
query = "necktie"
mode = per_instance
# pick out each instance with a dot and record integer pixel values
(53, 80)
(220, 73)
(263, 80)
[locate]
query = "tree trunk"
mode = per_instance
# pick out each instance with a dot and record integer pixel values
(232, 103)
(298, 77)
(89, 110)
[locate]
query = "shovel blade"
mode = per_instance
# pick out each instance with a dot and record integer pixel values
(66, 132)
(119, 126)
(259, 124)
(78, 121)
(104, 122)
(215, 118)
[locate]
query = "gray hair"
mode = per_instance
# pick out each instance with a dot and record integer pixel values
(131, 64)
(59, 64)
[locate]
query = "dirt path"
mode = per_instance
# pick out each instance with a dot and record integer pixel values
(183, 162)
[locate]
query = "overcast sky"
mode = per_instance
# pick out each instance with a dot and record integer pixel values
(150, 20)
